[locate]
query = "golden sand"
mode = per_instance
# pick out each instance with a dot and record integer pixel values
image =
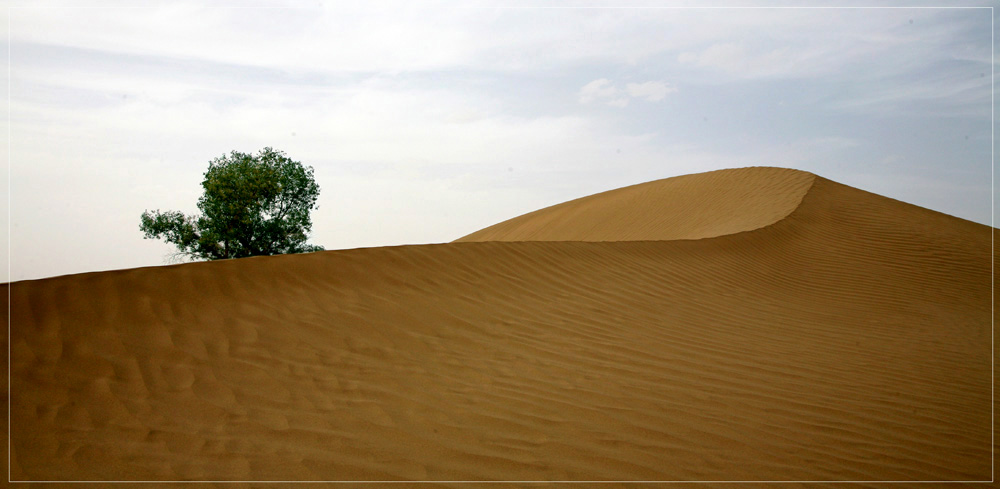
(751, 324)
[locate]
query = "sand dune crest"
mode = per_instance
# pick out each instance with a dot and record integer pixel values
(695, 206)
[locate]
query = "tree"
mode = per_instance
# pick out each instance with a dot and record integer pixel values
(253, 205)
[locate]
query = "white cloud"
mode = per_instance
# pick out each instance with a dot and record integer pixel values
(603, 90)
(652, 91)
(618, 102)
(597, 89)
(380, 36)
(402, 37)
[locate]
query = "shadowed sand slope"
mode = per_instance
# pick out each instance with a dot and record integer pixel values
(695, 206)
(850, 340)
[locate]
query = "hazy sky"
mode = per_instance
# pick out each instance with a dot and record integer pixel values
(428, 121)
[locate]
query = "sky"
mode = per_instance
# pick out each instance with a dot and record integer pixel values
(426, 121)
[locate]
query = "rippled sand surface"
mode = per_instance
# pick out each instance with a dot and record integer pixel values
(749, 324)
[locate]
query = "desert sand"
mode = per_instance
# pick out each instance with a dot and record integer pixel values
(757, 324)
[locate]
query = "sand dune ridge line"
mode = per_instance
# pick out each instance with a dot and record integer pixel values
(696, 206)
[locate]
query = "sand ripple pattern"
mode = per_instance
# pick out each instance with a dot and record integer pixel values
(847, 339)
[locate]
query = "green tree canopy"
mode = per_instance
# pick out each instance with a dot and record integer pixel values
(253, 205)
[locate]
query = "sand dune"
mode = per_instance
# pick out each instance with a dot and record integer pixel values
(702, 205)
(815, 332)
